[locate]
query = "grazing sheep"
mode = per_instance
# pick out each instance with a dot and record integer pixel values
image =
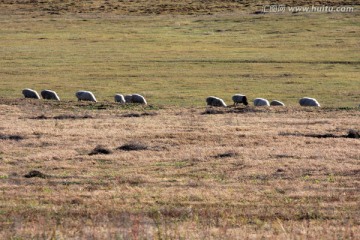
(215, 102)
(29, 93)
(48, 94)
(128, 98)
(119, 98)
(261, 102)
(308, 102)
(277, 103)
(137, 98)
(210, 101)
(85, 96)
(239, 98)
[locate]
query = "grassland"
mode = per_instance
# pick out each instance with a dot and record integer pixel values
(234, 173)
(180, 60)
(244, 174)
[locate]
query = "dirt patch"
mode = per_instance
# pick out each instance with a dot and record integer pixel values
(139, 114)
(11, 137)
(326, 135)
(226, 155)
(284, 156)
(100, 150)
(61, 117)
(35, 173)
(351, 134)
(150, 7)
(65, 116)
(133, 147)
(213, 111)
(40, 117)
(247, 109)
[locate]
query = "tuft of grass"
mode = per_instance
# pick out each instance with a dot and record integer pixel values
(213, 111)
(226, 155)
(65, 116)
(139, 114)
(36, 174)
(353, 134)
(132, 147)
(14, 137)
(100, 150)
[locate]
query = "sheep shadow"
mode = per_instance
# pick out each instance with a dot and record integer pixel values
(238, 109)
(129, 115)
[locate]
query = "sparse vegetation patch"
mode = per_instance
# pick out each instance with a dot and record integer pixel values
(36, 174)
(14, 137)
(226, 155)
(139, 114)
(62, 117)
(100, 150)
(351, 134)
(132, 147)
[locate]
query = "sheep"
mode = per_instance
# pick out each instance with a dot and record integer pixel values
(85, 96)
(135, 98)
(119, 98)
(48, 94)
(277, 103)
(128, 98)
(29, 93)
(239, 98)
(215, 102)
(308, 102)
(211, 100)
(261, 102)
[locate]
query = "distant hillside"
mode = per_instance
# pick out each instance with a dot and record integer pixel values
(151, 7)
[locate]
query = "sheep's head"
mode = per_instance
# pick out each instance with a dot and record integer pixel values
(245, 101)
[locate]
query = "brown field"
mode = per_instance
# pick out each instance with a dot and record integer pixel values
(151, 7)
(175, 170)
(245, 173)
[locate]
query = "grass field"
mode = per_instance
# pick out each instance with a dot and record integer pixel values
(180, 60)
(244, 174)
(174, 169)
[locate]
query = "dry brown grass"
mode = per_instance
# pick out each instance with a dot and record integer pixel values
(234, 175)
(151, 7)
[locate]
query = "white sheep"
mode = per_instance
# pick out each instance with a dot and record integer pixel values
(239, 98)
(128, 98)
(215, 102)
(48, 94)
(135, 98)
(276, 103)
(261, 102)
(119, 98)
(85, 96)
(29, 93)
(309, 102)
